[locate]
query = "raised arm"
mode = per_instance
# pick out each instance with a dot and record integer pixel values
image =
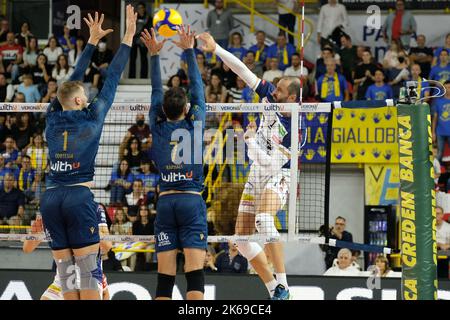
(103, 102)
(230, 60)
(96, 33)
(198, 104)
(154, 47)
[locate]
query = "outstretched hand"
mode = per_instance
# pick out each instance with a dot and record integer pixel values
(95, 28)
(187, 38)
(209, 44)
(153, 45)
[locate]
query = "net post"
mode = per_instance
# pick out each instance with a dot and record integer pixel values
(326, 220)
(292, 208)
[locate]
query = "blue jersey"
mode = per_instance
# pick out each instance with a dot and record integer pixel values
(331, 94)
(383, 92)
(73, 136)
(284, 55)
(439, 73)
(260, 54)
(441, 107)
(238, 52)
(179, 144)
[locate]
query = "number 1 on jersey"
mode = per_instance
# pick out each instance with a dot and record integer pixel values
(66, 135)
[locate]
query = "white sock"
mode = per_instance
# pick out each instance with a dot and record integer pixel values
(271, 285)
(281, 279)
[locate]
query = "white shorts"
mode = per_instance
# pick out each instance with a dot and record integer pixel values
(258, 181)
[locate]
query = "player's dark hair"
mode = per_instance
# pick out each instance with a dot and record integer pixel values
(127, 172)
(174, 103)
(340, 218)
(26, 157)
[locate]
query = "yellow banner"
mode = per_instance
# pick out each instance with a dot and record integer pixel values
(365, 136)
(382, 184)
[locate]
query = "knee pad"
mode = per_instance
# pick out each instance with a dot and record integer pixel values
(265, 224)
(249, 249)
(195, 280)
(91, 275)
(67, 275)
(165, 285)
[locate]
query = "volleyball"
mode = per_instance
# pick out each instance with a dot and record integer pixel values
(165, 22)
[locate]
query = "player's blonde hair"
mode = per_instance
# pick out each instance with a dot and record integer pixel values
(68, 90)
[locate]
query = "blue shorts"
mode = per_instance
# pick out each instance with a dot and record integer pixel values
(181, 222)
(70, 217)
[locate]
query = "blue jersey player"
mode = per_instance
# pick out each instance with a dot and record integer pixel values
(73, 133)
(178, 143)
(267, 186)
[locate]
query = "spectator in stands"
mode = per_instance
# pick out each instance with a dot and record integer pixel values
(30, 54)
(135, 199)
(220, 23)
(120, 183)
(364, 75)
(140, 130)
(390, 59)
(325, 54)
(216, 87)
(38, 153)
(102, 57)
(62, 71)
(144, 225)
(260, 49)
(22, 130)
(50, 91)
(25, 34)
(183, 57)
(12, 201)
(25, 178)
(282, 50)
(274, 71)
(75, 53)
(3, 170)
(66, 41)
(121, 225)
(437, 51)
(228, 77)
(174, 81)
(349, 57)
(332, 86)
(41, 72)
(131, 150)
(150, 177)
(9, 152)
(205, 71)
(53, 50)
(6, 95)
(416, 75)
(210, 260)
(344, 265)
(235, 95)
(441, 72)
(379, 90)
(12, 54)
(29, 89)
(441, 120)
(296, 70)
(19, 97)
(286, 18)
(254, 67)
(4, 30)
(331, 16)
(143, 21)
(399, 25)
(399, 74)
(91, 82)
(231, 261)
(422, 55)
(236, 47)
(338, 232)
(442, 230)
(382, 266)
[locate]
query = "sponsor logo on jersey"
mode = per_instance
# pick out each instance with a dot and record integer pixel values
(64, 166)
(177, 176)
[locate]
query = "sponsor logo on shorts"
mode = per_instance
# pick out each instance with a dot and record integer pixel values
(92, 229)
(163, 239)
(202, 236)
(175, 177)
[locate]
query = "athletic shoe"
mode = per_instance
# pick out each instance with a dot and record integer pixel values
(281, 293)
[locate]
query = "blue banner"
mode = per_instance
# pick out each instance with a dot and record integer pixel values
(314, 147)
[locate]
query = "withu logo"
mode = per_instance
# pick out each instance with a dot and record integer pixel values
(174, 177)
(60, 166)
